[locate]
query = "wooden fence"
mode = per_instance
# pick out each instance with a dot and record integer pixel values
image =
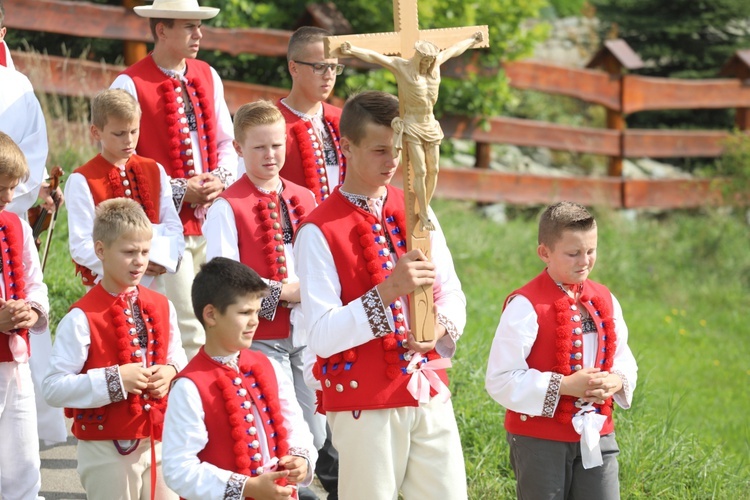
(620, 94)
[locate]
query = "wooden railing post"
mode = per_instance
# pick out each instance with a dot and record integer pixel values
(133, 51)
(738, 67)
(483, 155)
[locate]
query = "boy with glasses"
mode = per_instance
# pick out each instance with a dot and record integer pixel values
(313, 154)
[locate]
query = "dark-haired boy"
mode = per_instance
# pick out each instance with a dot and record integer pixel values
(389, 438)
(313, 150)
(233, 428)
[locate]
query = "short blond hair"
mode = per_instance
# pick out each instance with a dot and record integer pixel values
(253, 114)
(113, 103)
(560, 217)
(118, 216)
(12, 160)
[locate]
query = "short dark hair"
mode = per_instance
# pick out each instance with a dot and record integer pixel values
(303, 37)
(372, 106)
(560, 217)
(153, 21)
(220, 282)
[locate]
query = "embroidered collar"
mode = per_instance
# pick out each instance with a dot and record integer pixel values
(230, 360)
(362, 201)
(300, 114)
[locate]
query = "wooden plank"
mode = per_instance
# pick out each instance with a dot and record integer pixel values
(489, 186)
(673, 143)
(642, 93)
(504, 130)
(84, 19)
(77, 77)
(671, 193)
(588, 85)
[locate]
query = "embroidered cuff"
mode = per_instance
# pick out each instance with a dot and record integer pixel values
(552, 396)
(450, 327)
(235, 485)
(114, 386)
(299, 452)
(225, 176)
(625, 384)
(42, 322)
(304, 453)
(179, 188)
(376, 312)
(269, 304)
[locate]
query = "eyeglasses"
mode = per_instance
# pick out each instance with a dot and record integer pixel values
(321, 68)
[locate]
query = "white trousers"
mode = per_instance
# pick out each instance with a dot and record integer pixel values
(50, 421)
(20, 476)
(107, 475)
(178, 287)
(415, 450)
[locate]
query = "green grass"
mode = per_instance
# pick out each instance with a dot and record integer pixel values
(683, 281)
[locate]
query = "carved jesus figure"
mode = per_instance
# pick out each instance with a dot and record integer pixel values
(418, 81)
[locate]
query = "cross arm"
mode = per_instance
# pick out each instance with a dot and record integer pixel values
(446, 38)
(384, 43)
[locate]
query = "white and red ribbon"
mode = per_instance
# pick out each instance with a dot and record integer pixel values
(423, 378)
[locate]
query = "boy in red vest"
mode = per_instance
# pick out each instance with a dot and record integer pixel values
(23, 310)
(186, 127)
(234, 428)
(313, 150)
(118, 172)
(254, 221)
(114, 357)
(385, 395)
(559, 359)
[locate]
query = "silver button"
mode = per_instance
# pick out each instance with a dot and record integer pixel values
(353, 384)
(523, 418)
(328, 383)
(339, 388)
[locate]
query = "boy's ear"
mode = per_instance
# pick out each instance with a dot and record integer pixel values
(99, 249)
(292, 68)
(237, 148)
(209, 315)
(95, 133)
(543, 252)
(345, 145)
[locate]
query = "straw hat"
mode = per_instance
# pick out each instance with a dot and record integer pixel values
(176, 9)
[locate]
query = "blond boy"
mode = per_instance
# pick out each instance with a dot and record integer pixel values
(118, 172)
(114, 357)
(23, 310)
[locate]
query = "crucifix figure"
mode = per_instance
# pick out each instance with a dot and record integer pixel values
(414, 56)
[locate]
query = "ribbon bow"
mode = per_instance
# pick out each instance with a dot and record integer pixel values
(18, 348)
(423, 378)
(588, 423)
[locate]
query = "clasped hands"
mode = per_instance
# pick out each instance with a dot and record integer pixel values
(592, 385)
(16, 314)
(203, 189)
(155, 380)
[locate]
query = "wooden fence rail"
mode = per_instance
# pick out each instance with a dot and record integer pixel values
(619, 94)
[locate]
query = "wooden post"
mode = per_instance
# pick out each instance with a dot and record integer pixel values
(401, 43)
(133, 51)
(738, 67)
(616, 57)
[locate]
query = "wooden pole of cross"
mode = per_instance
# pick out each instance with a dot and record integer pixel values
(416, 103)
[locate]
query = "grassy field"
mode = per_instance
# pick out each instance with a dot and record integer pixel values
(683, 281)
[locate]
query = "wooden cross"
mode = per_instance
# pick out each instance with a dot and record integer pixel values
(401, 43)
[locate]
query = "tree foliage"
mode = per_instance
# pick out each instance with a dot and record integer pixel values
(680, 39)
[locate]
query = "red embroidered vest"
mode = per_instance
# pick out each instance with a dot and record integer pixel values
(11, 253)
(139, 181)
(372, 375)
(114, 341)
(228, 397)
(165, 134)
(260, 238)
(559, 348)
(305, 161)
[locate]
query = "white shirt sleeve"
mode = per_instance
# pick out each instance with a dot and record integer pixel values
(175, 353)
(80, 204)
(23, 121)
(331, 326)
(228, 159)
(167, 242)
(624, 363)
(220, 231)
(126, 83)
(64, 384)
(509, 380)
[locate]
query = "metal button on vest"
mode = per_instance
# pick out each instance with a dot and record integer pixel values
(523, 418)
(339, 388)
(353, 384)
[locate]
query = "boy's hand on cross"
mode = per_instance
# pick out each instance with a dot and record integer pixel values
(412, 270)
(290, 292)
